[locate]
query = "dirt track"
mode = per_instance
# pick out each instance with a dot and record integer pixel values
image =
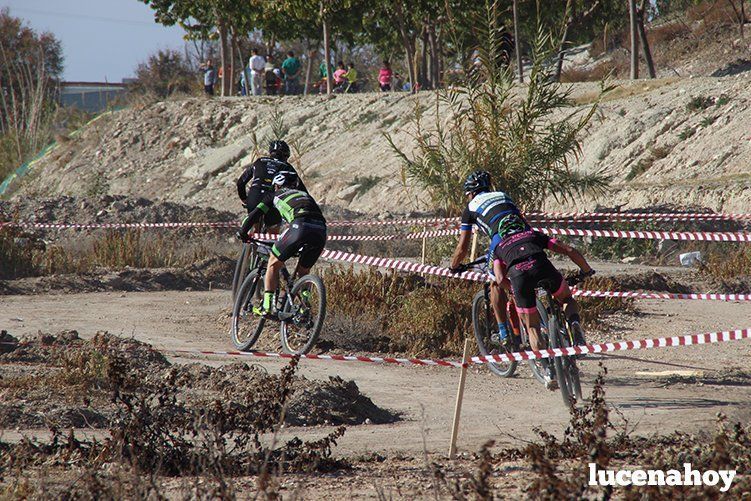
(504, 410)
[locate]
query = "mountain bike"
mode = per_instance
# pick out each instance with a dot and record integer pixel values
(300, 307)
(558, 333)
(552, 320)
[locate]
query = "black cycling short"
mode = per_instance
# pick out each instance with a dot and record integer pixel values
(308, 237)
(526, 275)
(255, 194)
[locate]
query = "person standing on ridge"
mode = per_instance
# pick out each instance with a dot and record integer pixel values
(209, 77)
(257, 65)
(291, 71)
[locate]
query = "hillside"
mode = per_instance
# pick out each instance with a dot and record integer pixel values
(680, 141)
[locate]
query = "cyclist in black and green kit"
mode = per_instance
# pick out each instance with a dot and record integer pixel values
(306, 233)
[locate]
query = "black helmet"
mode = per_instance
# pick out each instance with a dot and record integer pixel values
(285, 178)
(279, 149)
(510, 225)
(476, 182)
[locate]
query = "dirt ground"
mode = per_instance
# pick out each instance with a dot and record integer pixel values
(501, 409)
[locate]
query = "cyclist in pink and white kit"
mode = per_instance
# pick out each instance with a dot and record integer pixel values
(520, 257)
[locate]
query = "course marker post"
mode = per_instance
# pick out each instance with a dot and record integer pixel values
(473, 253)
(459, 398)
(424, 245)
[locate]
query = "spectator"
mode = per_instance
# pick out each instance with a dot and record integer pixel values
(291, 70)
(273, 80)
(339, 77)
(257, 65)
(351, 78)
(399, 81)
(385, 76)
(209, 77)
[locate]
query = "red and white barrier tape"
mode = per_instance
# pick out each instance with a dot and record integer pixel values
(653, 235)
(336, 358)
(644, 216)
(650, 235)
(91, 226)
(407, 266)
(638, 344)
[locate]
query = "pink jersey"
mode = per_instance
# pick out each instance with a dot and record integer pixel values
(384, 76)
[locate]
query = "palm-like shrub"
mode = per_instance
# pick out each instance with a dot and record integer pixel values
(526, 136)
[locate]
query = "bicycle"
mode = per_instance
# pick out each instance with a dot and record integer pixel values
(484, 322)
(300, 307)
(558, 333)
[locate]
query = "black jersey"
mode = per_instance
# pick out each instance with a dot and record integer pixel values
(486, 210)
(259, 175)
(521, 246)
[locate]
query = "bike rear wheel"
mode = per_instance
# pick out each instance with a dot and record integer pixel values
(304, 311)
(482, 324)
(246, 327)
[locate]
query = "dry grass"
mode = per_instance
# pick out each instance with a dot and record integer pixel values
(414, 316)
(728, 265)
(23, 254)
(596, 73)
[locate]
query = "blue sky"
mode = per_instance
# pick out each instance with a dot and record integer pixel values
(102, 39)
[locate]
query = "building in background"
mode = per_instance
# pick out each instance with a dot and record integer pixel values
(92, 97)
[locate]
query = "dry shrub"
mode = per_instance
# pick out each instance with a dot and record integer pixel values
(594, 308)
(16, 253)
(667, 32)
(728, 265)
(24, 254)
(155, 432)
(414, 315)
(594, 73)
(712, 14)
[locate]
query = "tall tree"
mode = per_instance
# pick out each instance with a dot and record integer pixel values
(634, 39)
(640, 14)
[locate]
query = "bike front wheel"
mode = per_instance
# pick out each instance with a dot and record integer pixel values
(241, 267)
(303, 314)
(561, 364)
(246, 327)
(482, 324)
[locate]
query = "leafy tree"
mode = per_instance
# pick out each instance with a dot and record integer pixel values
(165, 73)
(525, 137)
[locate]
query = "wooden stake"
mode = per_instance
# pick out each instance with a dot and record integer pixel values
(424, 245)
(459, 398)
(473, 253)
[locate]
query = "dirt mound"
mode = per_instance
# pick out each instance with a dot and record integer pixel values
(63, 380)
(665, 140)
(647, 281)
(213, 272)
(107, 209)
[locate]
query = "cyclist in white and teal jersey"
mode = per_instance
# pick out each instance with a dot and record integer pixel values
(485, 208)
(306, 233)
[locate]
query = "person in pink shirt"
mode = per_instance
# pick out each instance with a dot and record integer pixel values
(384, 77)
(339, 78)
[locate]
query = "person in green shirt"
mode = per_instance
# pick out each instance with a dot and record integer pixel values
(291, 70)
(351, 77)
